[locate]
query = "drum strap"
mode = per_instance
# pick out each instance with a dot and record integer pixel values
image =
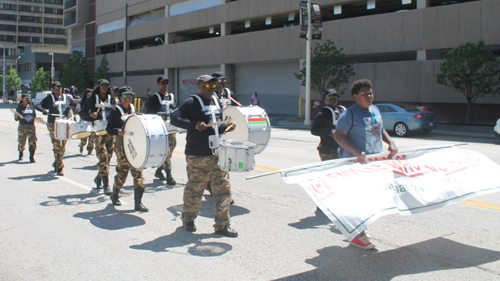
(334, 116)
(98, 100)
(167, 103)
(54, 100)
(132, 109)
(211, 109)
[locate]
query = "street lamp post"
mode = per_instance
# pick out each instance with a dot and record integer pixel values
(52, 68)
(159, 39)
(17, 68)
(3, 75)
(307, 120)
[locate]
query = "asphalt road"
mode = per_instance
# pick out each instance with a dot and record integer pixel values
(59, 228)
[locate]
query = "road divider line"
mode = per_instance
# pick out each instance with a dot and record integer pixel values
(15, 123)
(481, 204)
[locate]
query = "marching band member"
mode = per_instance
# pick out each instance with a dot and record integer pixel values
(102, 96)
(324, 125)
(194, 114)
(26, 129)
(115, 128)
(226, 96)
(91, 139)
(49, 107)
(163, 102)
(359, 132)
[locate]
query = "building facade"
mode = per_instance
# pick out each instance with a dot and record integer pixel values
(31, 23)
(398, 44)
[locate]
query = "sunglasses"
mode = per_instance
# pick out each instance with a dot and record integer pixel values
(164, 83)
(332, 96)
(222, 80)
(128, 95)
(104, 86)
(374, 119)
(208, 85)
(58, 87)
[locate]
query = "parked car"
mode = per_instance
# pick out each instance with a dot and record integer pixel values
(401, 118)
(496, 129)
(39, 97)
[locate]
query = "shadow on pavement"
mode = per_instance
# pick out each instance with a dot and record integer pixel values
(350, 263)
(319, 219)
(180, 238)
(112, 219)
(50, 176)
(207, 209)
(93, 197)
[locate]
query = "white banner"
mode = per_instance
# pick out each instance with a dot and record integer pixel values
(353, 195)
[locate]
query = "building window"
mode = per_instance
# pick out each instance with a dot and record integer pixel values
(21, 68)
(55, 11)
(12, 7)
(8, 17)
(29, 39)
(30, 19)
(33, 9)
(53, 21)
(32, 29)
(59, 41)
(6, 27)
(7, 38)
(27, 67)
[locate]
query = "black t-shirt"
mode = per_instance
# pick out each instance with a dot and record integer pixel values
(154, 105)
(189, 113)
(49, 103)
(28, 112)
(115, 120)
(323, 124)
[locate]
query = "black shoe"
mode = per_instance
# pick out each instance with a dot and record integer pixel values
(32, 156)
(141, 208)
(189, 226)
(105, 185)
(60, 172)
(81, 149)
(227, 231)
(171, 181)
(114, 197)
(232, 201)
(159, 174)
(20, 156)
(89, 153)
(138, 192)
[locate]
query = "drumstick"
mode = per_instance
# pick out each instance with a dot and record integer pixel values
(235, 101)
(218, 123)
(17, 113)
(230, 126)
(38, 119)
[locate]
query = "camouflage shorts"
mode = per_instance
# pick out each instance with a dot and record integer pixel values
(26, 132)
(327, 152)
(104, 150)
(59, 147)
(122, 168)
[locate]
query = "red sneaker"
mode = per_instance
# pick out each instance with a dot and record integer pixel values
(362, 242)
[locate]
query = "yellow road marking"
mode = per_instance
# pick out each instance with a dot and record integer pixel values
(475, 203)
(481, 204)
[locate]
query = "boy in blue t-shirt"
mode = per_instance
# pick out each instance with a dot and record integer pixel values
(359, 132)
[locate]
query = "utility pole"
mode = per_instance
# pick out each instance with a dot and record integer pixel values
(307, 120)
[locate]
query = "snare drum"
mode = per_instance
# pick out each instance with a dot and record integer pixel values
(145, 141)
(100, 127)
(62, 129)
(80, 130)
(236, 156)
(252, 124)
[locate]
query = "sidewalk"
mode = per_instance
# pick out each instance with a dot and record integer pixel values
(473, 131)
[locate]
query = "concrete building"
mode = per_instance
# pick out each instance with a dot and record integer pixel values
(398, 44)
(38, 56)
(31, 22)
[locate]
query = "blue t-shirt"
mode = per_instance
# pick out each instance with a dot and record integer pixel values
(365, 130)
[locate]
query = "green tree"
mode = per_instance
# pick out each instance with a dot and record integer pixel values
(329, 68)
(41, 81)
(75, 72)
(13, 80)
(102, 72)
(471, 70)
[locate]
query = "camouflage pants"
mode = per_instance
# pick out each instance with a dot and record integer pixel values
(104, 150)
(327, 152)
(91, 140)
(59, 147)
(200, 171)
(26, 132)
(122, 168)
(172, 143)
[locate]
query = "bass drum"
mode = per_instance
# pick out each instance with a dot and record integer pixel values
(145, 141)
(252, 124)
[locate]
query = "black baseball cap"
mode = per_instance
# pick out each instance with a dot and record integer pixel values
(219, 75)
(161, 79)
(126, 90)
(55, 84)
(205, 78)
(103, 81)
(330, 92)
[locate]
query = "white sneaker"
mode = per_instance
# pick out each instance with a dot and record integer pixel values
(362, 242)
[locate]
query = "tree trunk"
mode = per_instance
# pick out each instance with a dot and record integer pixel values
(467, 119)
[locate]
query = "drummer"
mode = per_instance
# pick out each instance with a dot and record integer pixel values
(102, 97)
(115, 128)
(226, 96)
(162, 103)
(91, 139)
(194, 114)
(26, 129)
(49, 107)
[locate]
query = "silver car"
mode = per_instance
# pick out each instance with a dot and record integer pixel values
(496, 129)
(402, 118)
(39, 97)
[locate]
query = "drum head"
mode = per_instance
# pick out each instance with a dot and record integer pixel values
(241, 131)
(81, 135)
(135, 143)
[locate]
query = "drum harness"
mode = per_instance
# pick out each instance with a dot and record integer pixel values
(334, 117)
(211, 110)
(59, 103)
(99, 104)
